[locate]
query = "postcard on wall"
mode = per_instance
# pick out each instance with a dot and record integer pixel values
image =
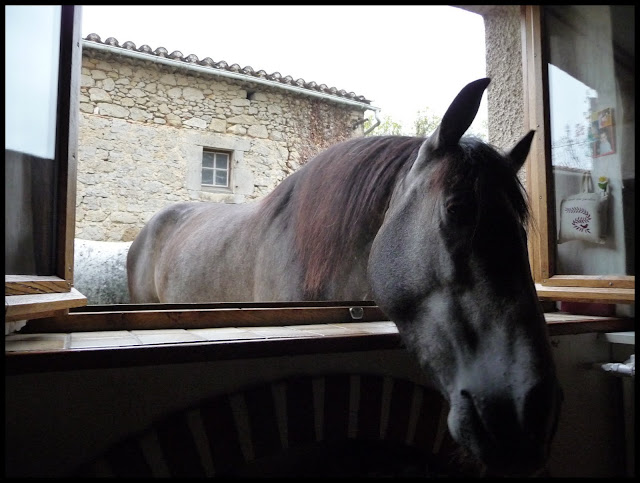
(602, 133)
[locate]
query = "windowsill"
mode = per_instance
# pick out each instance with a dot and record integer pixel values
(31, 306)
(42, 352)
(596, 295)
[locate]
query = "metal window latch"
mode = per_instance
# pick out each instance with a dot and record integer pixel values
(356, 312)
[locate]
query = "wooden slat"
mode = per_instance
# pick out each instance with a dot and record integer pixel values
(534, 73)
(32, 284)
(263, 421)
(201, 318)
(67, 137)
(179, 448)
(426, 431)
(602, 281)
(370, 410)
(22, 307)
(336, 407)
(300, 411)
(587, 294)
(224, 441)
(567, 324)
(399, 411)
(225, 305)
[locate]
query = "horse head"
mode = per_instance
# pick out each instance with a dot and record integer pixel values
(450, 267)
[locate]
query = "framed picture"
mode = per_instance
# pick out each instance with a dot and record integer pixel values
(603, 133)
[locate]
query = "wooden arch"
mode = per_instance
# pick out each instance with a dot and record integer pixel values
(329, 425)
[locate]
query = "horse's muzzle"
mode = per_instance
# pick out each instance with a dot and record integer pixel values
(511, 436)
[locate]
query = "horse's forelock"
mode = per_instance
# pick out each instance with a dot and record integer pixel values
(488, 170)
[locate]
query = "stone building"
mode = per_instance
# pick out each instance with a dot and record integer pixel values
(157, 128)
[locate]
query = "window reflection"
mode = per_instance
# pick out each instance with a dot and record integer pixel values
(592, 121)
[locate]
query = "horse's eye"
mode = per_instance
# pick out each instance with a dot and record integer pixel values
(460, 209)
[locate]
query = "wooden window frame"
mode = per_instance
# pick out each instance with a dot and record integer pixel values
(55, 316)
(608, 289)
(31, 296)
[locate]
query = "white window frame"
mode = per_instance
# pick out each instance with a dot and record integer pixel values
(215, 153)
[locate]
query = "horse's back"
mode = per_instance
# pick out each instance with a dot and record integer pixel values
(147, 247)
(195, 252)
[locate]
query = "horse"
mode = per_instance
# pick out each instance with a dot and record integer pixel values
(432, 229)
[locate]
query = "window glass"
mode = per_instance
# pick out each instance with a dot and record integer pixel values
(221, 161)
(207, 160)
(31, 95)
(207, 176)
(31, 32)
(591, 75)
(221, 178)
(215, 169)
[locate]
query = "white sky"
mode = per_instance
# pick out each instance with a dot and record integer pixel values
(402, 58)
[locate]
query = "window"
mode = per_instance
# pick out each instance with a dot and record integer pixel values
(40, 157)
(579, 80)
(215, 169)
(612, 286)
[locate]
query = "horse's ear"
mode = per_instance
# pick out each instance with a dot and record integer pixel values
(459, 115)
(519, 152)
(455, 121)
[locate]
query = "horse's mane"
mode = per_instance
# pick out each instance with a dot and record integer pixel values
(338, 199)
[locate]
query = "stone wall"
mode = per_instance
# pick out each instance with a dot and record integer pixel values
(505, 97)
(143, 126)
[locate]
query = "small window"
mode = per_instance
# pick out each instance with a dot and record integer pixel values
(215, 169)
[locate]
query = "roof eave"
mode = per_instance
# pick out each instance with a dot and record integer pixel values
(224, 73)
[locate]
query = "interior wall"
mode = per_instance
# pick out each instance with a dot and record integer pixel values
(55, 421)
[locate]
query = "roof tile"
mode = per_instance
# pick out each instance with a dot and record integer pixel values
(223, 65)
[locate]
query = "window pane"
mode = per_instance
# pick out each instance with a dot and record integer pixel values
(207, 176)
(221, 178)
(32, 32)
(222, 161)
(31, 165)
(592, 121)
(207, 159)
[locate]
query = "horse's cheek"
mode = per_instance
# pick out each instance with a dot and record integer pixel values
(392, 275)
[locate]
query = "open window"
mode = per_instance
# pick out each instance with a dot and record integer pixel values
(579, 80)
(47, 295)
(40, 159)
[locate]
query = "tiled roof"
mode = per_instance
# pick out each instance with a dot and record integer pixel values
(222, 65)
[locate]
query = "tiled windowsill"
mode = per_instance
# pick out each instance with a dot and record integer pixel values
(126, 338)
(64, 351)
(120, 348)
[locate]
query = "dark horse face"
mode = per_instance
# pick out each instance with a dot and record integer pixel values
(450, 267)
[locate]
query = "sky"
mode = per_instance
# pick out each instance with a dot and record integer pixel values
(402, 58)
